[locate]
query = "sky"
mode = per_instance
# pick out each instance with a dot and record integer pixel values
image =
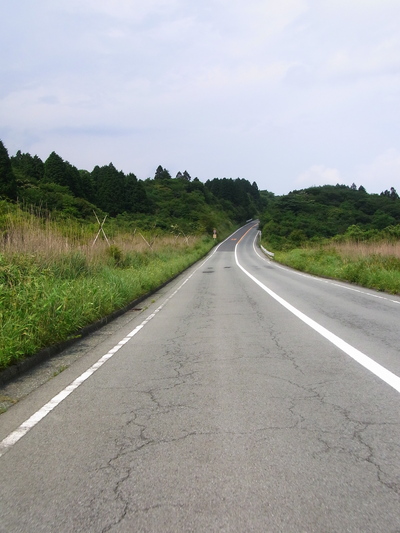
(286, 93)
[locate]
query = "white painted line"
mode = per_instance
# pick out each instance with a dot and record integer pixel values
(26, 426)
(327, 281)
(368, 363)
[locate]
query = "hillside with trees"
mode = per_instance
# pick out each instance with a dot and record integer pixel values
(185, 204)
(323, 212)
(50, 252)
(53, 246)
(55, 185)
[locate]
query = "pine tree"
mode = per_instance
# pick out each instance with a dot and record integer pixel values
(136, 200)
(110, 189)
(86, 184)
(56, 170)
(8, 184)
(162, 173)
(27, 168)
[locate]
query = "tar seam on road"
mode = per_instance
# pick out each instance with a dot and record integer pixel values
(368, 363)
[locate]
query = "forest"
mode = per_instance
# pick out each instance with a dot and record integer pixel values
(55, 185)
(186, 204)
(330, 211)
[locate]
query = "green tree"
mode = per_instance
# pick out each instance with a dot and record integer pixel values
(27, 169)
(86, 185)
(162, 174)
(56, 170)
(136, 200)
(110, 190)
(8, 184)
(327, 211)
(391, 194)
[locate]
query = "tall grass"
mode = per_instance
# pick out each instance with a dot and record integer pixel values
(54, 280)
(373, 265)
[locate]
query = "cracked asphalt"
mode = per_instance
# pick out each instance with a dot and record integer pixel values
(224, 413)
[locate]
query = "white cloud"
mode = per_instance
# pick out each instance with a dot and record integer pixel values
(318, 175)
(379, 58)
(258, 20)
(232, 85)
(355, 6)
(381, 173)
(134, 10)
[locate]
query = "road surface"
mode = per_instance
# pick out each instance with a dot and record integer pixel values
(244, 396)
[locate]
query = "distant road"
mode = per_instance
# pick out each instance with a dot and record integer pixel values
(244, 396)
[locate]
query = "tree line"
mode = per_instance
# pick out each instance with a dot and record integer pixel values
(183, 202)
(57, 185)
(327, 211)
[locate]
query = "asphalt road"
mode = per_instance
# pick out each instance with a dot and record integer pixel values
(243, 397)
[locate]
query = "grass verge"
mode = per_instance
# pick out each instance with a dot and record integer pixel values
(47, 297)
(359, 264)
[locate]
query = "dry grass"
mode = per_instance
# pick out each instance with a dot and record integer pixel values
(374, 265)
(45, 264)
(365, 249)
(26, 233)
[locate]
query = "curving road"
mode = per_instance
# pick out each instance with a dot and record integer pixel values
(244, 396)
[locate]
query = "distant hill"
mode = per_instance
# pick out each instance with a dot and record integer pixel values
(57, 186)
(191, 206)
(327, 211)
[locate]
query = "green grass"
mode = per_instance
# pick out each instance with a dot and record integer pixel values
(374, 271)
(45, 300)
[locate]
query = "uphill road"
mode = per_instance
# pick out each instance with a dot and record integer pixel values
(243, 396)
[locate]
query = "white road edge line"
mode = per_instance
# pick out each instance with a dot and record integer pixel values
(327, 281)
(26, 426)
(368, 363)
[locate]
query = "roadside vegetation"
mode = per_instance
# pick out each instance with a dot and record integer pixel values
(76, 245)
(54, 280)
(337, 232)
(375, 266)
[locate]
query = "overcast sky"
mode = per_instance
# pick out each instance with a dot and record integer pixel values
(287, 93)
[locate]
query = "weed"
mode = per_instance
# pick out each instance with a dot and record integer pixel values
(116, 254)
(372, 265)
(6, 402)
(53, 280)
(59, 370)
